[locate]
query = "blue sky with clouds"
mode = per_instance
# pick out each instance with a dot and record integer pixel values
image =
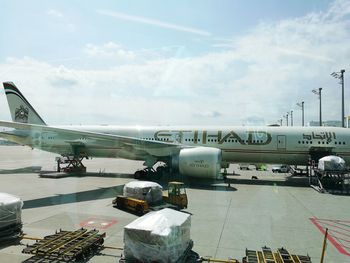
(174, 62)
(57, 29)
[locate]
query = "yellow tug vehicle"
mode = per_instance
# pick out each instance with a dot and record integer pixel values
(149, 198)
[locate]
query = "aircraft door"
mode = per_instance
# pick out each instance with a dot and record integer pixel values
(281, 142)
(178, 137)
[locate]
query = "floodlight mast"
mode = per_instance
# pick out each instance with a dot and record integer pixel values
(291, 118)
(340, 75)
(319, 93)
(286, 116)
(301, 104)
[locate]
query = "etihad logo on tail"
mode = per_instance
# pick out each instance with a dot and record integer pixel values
(21, 114)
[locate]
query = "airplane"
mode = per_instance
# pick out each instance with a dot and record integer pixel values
(193, 151)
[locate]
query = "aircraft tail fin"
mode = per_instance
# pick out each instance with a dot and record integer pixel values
(20, 108)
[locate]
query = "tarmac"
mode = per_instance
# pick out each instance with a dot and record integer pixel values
(275, 210)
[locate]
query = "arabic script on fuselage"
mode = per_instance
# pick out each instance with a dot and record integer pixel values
(328, 136)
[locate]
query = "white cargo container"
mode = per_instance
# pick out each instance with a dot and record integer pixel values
(161, 236)
(10, 210)
(331, 163)
(10, 217)
(144, 190)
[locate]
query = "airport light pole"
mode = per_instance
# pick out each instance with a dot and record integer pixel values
(301, 104)
(291, 118)
(286, 116)
(340, 75)
(319, 93)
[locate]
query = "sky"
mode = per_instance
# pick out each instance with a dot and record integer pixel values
(196, 62)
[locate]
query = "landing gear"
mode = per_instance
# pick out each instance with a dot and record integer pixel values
(151, 173)
(71, 164)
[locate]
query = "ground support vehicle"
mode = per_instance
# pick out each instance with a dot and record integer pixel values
(297, 171)
(137, 206)
(260, 167)
(243, 166)
(175, 197)
(280, 169)
(337, 182)
(70, 164)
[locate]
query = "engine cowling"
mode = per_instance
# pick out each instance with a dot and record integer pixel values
(204, 162)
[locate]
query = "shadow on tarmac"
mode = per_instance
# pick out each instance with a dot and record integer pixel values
(196, 183)
(211, 185)
(96, 194)
(56, 175)
(29, 169)
(289, 181)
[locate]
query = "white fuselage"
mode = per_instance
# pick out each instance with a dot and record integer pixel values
(288, 145)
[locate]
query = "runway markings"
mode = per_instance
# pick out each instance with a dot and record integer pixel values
(338, 233)
(98, 223)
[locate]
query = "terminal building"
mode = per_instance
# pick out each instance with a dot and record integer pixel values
(330, 123)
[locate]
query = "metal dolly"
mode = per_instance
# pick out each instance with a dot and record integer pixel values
(66, 246)
(268, 256)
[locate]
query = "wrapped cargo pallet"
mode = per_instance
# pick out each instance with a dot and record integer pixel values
(331, 163)
(10, 217)
(161, 236)
(143, 190)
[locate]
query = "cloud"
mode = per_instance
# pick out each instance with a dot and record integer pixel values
(54, 13)
(253, 121)
(256, 79)
(307, 54)
(62, 78)
(109, 50)
(61, 23)
(208, 114)
(113, 54)
(154, 22)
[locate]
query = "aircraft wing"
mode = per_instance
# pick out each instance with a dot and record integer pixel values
(93, 139)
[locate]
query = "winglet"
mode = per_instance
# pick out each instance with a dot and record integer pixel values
(20, 108)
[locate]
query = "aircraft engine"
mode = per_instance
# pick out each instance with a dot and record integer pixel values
(202, 162)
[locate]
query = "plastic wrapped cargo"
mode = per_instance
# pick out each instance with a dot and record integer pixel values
(331, 163)
(10, 217)
(161, 236)
(149, 191)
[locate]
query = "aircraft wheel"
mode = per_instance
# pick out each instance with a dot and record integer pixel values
(139, 210)
(160, 172)
(137, 175)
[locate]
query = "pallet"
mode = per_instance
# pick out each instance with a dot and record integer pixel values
(66, 246)
(268, 256)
